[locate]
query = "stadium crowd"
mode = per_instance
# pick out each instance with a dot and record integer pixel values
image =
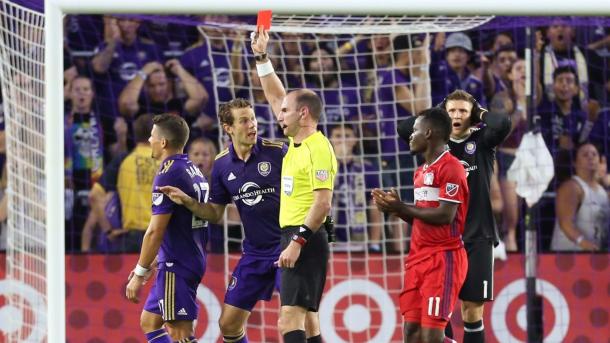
(119, 69)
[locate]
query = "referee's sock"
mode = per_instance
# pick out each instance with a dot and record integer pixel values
(474, 332)
(241, 338)
(315, 339)
(295, 336)
(158, 336)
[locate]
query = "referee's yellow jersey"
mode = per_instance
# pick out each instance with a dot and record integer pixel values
(306, 167)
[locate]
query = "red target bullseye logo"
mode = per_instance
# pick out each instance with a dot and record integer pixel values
(29, 323)
(509, 313)
(351, 309)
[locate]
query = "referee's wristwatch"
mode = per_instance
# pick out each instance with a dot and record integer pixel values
(261, 58)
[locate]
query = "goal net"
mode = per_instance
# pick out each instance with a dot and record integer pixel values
(22, 78)
(370, 73)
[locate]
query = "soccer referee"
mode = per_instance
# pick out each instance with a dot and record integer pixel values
(308, 173)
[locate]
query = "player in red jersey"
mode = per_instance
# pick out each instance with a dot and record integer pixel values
(437, 264)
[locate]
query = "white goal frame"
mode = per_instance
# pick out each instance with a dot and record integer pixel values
(55, 9)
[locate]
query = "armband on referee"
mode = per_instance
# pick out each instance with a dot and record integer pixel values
(303, 235)
(140, 271)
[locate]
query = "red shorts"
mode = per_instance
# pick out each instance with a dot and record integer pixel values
(431, 288)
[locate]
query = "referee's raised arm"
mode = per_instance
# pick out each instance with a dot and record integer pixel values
(271, 83)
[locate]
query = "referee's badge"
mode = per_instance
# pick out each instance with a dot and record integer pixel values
(264, 168)
(428, 179)
(287, 185)
(322, 175)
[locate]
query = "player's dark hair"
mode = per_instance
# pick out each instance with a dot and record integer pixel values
(142, 127)
(437, 119)
(505, 48)
(311, 100)
(224, 111)
(173, 128)
(563, 70)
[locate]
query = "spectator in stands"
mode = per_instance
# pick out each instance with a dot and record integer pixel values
(562, 52)
(449, 68)
(118, 59)
(401, 92)
(83, 33)
(512, 102)
(84, 154)
(120, 201)
(500, 40)
(583, 206)
(563, 122)
(159, 95)
(496, 78)
(356, 217)
(211, 66)
(340, 98)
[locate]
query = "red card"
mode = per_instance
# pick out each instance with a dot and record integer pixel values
(264, 19)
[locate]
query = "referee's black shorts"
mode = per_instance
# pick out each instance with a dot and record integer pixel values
(479, 283)
(303, 285)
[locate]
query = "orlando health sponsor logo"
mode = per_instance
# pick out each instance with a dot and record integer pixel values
(251, 193)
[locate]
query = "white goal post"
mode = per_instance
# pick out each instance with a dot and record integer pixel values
(55, 9)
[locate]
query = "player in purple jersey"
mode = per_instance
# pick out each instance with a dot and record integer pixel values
(175, 240)
(247, 173)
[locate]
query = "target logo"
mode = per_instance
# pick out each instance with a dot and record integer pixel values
(352, 307)
(509, 314)
(27, 324)
(212, 308)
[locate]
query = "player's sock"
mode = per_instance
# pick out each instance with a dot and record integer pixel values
(448, 340)
(449, 330)
(315, 339)
(474, 332)
(241, 338)
(158, 336)
(295, 336)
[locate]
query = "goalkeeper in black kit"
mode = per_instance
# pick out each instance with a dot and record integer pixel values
(475, 135)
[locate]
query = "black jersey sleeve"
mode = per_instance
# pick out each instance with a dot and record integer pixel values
(497, 129)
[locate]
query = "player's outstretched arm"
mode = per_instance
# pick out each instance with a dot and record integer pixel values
(271, 83)
(148, 253)
(208, 211)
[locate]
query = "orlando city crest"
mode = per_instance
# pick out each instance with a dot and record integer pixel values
(470, 147)
(264, 168)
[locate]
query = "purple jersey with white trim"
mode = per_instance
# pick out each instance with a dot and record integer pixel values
(444, 80)
(390, 111)
(212, 68)
(254, 186)
(353, 183)
(183, 245)
(126, 62)
(340, 104)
